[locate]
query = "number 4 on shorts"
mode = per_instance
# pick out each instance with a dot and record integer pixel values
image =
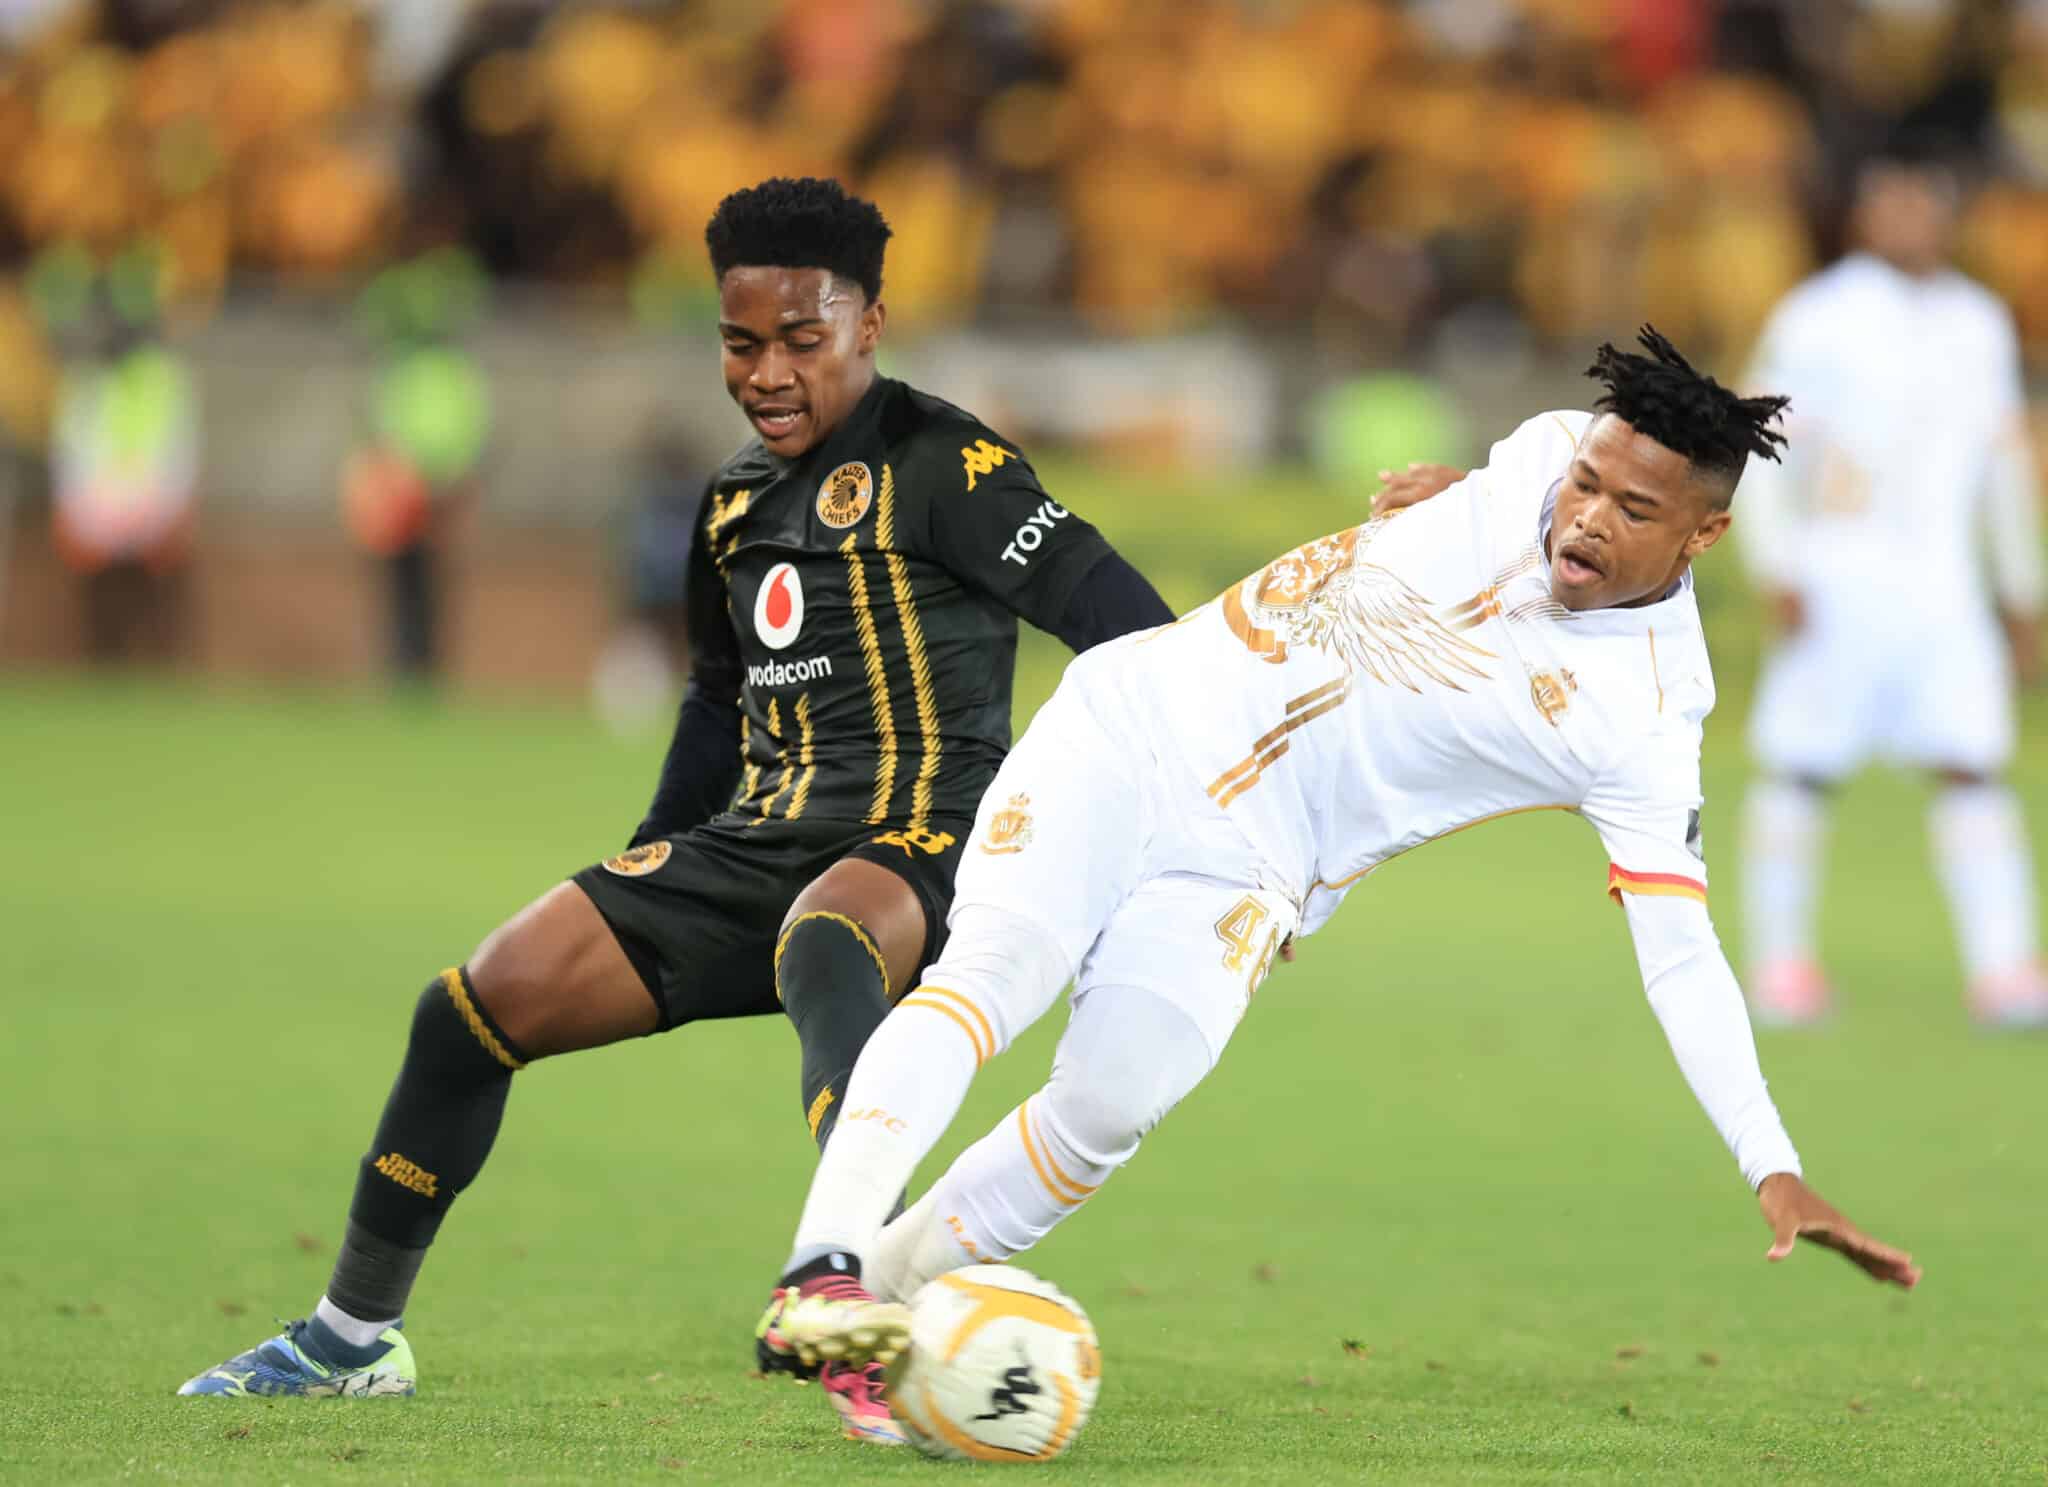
(1239, 929)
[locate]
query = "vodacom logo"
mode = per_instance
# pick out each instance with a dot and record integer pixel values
(779, 607)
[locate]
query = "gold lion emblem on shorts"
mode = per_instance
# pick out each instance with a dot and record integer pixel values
(638, 862)
(845, 496)
(1009, 829)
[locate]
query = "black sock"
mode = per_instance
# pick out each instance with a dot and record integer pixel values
(437, 1128)
(830, 978)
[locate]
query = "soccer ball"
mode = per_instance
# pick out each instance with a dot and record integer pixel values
(1000, 1367)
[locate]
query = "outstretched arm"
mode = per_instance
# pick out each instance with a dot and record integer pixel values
(1695, 996)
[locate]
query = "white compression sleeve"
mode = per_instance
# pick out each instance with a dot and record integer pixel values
(1696, 998)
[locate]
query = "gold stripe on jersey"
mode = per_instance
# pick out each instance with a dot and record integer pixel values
(1655, 675)
(878, 681)
(1477, 610)
(1306, 708)
(913, 646)
(727, 509)
(752, 778)
(782, 756)
(800, 797)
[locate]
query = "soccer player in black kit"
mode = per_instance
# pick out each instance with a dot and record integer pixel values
(856, 580)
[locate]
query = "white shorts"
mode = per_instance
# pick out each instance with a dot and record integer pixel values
(1872, 677)
(1134, 872)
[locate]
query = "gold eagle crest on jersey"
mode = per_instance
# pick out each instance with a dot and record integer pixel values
(638, 862)
(1322, 595)
(846, 495)
(1009, 829)
(1551, 692)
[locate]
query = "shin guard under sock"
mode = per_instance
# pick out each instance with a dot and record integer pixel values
(438, 1125)
(835, 988)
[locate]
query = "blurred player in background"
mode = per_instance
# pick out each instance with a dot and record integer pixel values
(853, 602)
(125, 468)
(1193, 798)
(1899, 635)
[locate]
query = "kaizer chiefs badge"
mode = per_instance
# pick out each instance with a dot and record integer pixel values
(845, 496)
(637, 862)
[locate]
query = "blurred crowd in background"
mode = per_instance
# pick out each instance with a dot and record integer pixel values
(1141, 161)
(1374, 178)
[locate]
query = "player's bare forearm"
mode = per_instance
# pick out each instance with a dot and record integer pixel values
(1795, 1212)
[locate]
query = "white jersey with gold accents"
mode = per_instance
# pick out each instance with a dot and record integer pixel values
(1413, 676)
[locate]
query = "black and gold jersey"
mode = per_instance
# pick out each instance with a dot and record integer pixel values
(873, 589)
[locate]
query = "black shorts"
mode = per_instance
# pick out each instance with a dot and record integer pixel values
(698, 913)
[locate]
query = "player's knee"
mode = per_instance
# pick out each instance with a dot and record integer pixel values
(455, 1036)
(1100, 1124)
(1129, 1057)
(823, 952)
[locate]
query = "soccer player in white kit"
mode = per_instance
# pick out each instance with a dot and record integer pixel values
(1908, 450)
(1195, 797)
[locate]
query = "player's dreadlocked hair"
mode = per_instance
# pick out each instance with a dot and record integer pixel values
(807, 223)
(1662, 397)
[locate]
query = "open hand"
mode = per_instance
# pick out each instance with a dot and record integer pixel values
(1412, 486)
(1795, 1211)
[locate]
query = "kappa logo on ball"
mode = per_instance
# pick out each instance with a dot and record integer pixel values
(845, 496)
(638, 862)
(779, 607)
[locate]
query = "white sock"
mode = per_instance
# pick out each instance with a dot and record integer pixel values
(1985, 865)
(997, 977)
(1784, 826)
(354, 1331)
(1004, 1194)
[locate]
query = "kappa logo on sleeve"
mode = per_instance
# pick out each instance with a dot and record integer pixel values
(983, 458)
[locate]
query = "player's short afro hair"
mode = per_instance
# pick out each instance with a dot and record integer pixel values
(806, 223)
(1661, 396)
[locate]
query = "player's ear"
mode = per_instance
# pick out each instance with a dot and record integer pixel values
(872, 319)
(1711, 529)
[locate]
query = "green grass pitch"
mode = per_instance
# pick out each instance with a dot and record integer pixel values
(1446, 1213)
